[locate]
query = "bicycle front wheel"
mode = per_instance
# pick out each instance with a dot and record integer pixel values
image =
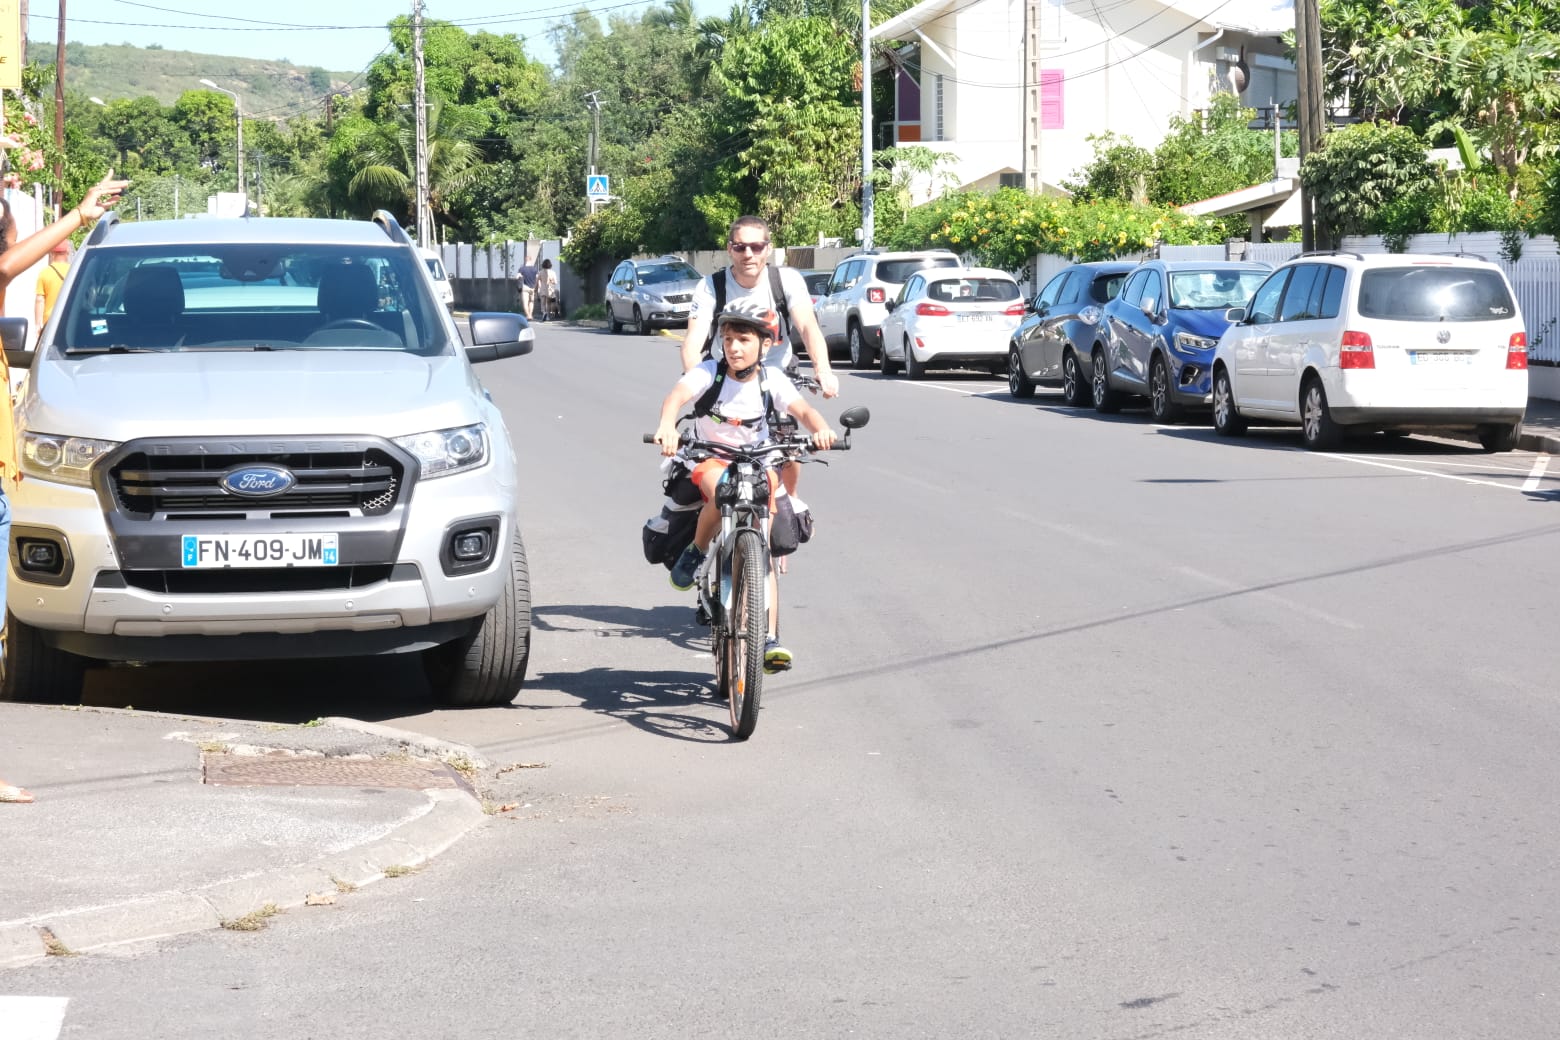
(748, 630)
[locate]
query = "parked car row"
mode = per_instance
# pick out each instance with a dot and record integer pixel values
(1333, 342)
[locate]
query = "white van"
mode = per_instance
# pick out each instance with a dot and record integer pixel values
(1339, 342)
(441, 280)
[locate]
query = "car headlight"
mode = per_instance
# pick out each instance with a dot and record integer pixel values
(442, 452)
(64, 460)
(1187, 343)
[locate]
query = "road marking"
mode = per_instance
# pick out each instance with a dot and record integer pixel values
(1421, 472)
(1540, 464)
(32, 1018)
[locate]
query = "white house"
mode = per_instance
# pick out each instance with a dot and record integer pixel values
(1012, 89)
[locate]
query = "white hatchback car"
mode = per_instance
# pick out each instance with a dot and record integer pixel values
(1341, 342)
(952, 317)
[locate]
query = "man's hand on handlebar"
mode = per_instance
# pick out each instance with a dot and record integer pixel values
(823, 440)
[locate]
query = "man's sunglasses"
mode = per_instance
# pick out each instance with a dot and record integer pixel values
(747, 247)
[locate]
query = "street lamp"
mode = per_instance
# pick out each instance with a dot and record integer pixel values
(238, 110)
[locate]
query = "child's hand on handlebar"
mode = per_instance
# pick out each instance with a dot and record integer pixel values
(668, 438)
(824, 439)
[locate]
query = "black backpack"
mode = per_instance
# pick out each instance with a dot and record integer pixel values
(775, 289)
(705, 405)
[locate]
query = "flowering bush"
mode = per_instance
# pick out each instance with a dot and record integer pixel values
(1008, 228)
(28, 145)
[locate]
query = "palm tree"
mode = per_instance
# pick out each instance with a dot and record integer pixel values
(385, 161)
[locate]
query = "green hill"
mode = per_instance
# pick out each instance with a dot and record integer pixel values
(269, 89)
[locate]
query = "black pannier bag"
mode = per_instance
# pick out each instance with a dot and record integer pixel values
(785, 532)
(670, 531)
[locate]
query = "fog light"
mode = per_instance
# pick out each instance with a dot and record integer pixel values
(40, 557)
(470, 545)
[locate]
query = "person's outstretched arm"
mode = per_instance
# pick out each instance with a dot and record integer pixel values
(28, 251)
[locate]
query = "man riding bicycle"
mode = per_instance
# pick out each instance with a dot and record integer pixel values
(736, 398)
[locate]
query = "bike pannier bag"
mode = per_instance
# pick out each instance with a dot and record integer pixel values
(784, 536)
(668, 533)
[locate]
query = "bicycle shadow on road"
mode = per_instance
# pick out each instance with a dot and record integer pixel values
(661, 703)
(612, 621)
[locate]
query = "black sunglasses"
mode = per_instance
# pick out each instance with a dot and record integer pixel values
(747, 247)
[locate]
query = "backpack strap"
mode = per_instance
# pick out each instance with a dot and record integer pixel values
(777, 291)
(719, 281)
(705, 405)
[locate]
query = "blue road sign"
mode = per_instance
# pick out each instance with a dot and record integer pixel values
(596, 186)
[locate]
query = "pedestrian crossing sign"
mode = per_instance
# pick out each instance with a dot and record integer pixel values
(596, 186)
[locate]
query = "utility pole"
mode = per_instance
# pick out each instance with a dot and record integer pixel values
(176, 213)
(1031, 126)
(420, 102)
(260, 184)
(1310, 107)
(866, 124)
(593, 102)
(59, 113)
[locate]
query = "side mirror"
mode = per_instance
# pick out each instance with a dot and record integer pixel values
(13, 337)
(1235, 315)
(496, 335)
(889, 305)
(855, 417)
(1150, 308)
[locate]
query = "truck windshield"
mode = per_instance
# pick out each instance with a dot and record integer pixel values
(222, 296)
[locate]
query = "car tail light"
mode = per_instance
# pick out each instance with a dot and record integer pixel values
(1015, 311)
(1357, 351)
(1516, 351)
(876, 296)
(932, 310)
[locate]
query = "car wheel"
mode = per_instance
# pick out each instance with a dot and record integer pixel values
(1500, 436)
(1075, 391)
(1161, 402)
(1106, 400)
(860, 352)
(639, 321)
(1227, 420)
(913, 368)
(487, 667)
(1019, 383)
(612, 322)
(887, 365)
(32, 670)
(1317, 428)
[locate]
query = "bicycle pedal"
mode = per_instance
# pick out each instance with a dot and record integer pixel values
(701, 616)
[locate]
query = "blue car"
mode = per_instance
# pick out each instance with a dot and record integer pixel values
(1156, 338)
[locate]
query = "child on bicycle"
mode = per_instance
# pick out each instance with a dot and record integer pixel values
(737, 412)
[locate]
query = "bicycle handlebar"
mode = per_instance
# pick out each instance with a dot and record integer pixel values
(761, 448)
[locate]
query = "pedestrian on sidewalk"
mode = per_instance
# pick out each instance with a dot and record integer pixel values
(547, 291)
(527, 284)
(17, 256)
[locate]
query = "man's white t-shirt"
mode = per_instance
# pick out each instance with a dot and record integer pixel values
(791, 284)
(738, 400)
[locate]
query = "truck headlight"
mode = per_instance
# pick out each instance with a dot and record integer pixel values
(1187, 343)
(64, 460)
(442, 452)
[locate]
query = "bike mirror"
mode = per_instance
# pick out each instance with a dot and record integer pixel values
(855, 418)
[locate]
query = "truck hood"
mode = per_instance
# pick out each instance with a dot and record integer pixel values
(120, 397)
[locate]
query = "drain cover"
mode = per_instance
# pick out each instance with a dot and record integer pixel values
(293, 771)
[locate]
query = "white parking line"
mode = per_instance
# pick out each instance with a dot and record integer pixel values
(1410, 469)
(1540, 464)
(32, 1018)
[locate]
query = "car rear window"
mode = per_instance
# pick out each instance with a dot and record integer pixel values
(1107, 287)
(1440, 293)
(951, 290)
(897, 271)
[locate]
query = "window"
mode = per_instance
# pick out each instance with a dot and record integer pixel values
(1332, 292)
(1297, 298)
(911, 289)
(1264, 304)
(1052, 291)
(1439, 293)
(937, 108)
(951, 290)
(1216, 290)
(1107, 287)
(1010, 180)
(898, 270)
(1153, 290)
(1133, 293)
(661, 274)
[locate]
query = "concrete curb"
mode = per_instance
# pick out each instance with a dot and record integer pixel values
(1544, 443)
(443, 750)
(451, 814)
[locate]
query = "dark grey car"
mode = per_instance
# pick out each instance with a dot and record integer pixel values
(1051, 345)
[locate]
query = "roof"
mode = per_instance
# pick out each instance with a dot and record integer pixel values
(1210, 265)
(1257, 17)
(245, 231)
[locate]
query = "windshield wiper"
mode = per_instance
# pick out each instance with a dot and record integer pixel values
(112, 348)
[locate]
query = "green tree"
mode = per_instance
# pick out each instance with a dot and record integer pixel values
(1359, 172)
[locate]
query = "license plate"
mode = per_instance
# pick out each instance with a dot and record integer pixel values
(205, 551)
(1440, 357)
(976, 317)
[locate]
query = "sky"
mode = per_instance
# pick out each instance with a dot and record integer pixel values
(340, 37)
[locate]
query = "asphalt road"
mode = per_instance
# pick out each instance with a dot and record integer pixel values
(1097, 729)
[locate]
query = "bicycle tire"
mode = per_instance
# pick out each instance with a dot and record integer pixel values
(748, 631)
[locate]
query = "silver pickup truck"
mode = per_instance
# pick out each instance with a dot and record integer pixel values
(263, 439)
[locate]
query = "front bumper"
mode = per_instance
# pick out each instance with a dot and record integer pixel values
(125, 595)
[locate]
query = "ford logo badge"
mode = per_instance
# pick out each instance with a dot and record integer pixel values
(257, 481)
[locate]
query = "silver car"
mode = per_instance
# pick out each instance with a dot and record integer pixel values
(650, 294)
(263, 439)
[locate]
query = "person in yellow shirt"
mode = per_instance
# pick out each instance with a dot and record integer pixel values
(49, 281)
(17, 256)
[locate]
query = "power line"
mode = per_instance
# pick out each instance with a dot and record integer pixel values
(551, 14)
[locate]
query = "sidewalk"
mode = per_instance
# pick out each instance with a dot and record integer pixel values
(150, 825)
